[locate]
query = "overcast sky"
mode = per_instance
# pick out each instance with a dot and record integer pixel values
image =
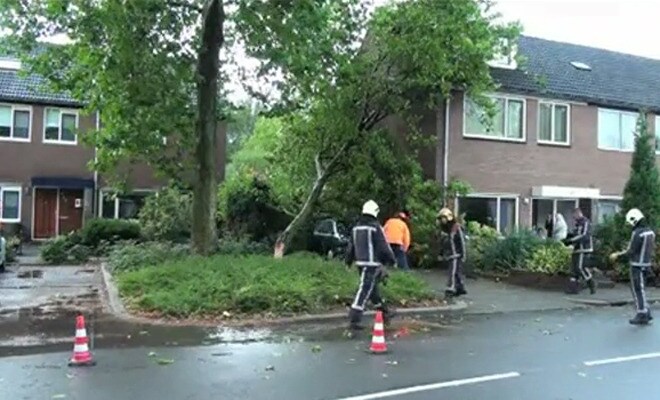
(629, 26)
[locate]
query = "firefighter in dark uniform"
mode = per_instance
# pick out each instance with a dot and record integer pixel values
(583, 248)
(370, 252)
(456, 252)
(640, 254)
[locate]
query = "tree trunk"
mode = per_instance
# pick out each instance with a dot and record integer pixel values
(204, 235)
(285, 238)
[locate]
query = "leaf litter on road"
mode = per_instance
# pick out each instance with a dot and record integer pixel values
(164, 361)
(316, 349)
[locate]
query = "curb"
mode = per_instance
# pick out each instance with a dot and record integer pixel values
(114, 301)
(609, 303)
(118, 310)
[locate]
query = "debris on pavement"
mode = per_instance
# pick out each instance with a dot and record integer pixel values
(270, 368)
(316, 349)
(164, 361)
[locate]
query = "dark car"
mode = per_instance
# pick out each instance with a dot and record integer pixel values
(330, 238)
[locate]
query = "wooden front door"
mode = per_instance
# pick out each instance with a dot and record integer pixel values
(45, 213)
(71, 210)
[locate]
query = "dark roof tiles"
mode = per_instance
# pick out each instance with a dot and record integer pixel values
(615, 79)
(30, 89)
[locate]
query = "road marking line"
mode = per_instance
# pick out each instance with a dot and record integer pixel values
(621, 359)
(433, 386)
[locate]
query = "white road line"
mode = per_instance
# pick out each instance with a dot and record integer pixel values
(433, 386)
(621, 359)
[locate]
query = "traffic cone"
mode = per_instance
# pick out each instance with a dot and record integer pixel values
(82, 357)
(378, 345)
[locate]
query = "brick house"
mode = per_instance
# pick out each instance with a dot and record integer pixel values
(46, 186)
(563, 136)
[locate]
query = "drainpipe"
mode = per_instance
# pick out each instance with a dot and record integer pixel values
(445, 155)
(95, 196)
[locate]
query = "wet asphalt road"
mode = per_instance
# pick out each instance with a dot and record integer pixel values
(551, 355)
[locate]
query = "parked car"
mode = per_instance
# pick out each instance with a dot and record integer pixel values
(330, 238)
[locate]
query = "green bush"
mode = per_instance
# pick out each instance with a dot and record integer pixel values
(196, 286)
(511, 252)
(550, 258)
(167, 215)
(131, 256)
(248, 208)
(98, 231)
(242, 246)
(609, 236)
(480, 238)
(56, 250)
(12, 245)
(424, 229)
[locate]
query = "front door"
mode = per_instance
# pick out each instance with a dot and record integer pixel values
(71, 210)
(45, 213)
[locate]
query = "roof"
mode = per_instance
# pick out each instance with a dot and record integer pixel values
(31, 89)
(615, 79)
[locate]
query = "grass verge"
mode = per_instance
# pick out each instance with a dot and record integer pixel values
(254, 286)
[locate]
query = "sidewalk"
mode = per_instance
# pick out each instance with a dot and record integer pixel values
(487, 296)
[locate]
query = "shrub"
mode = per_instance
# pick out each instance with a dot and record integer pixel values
(97, 231)
(610, 236)
(56, 251)
(247, 208)
(12, 245)
(210, 286)
(242, 246)
(424, 229)
(131, 256)
(511, 252)
(479, 239)
(167, 215)
(550, 258)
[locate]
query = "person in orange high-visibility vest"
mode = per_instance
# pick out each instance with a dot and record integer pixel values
(397, 234)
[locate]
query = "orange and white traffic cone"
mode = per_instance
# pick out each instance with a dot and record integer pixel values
(378, 345)
(82, 357)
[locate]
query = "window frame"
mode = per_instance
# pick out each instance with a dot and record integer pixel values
(108, 192)
(14, 108)
(62, 111)
(552, 141)
(498, 197)
(656, 134)
(619, 113)
(11, 188)
(506, 98)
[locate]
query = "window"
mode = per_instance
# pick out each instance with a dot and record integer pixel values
(508, 123)
(607, 209)
(10, 204)
(122, 206)
(60, 126)
(14, 123)
(497, 212)
(541, 208)
(657, 134)
(554, 123)
(616, 130)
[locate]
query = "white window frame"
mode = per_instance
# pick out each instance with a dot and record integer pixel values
(59, 140)
(11, 188)
(506, 98)
(498, 197)
(620, 113)
(553, 104)
(656, 134)
(618, 199)
(15, 108)
(108, 192)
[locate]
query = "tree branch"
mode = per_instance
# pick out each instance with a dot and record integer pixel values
(185, 4)
(319, 167)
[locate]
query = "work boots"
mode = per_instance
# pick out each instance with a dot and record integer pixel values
(592, 286)
(573, 286)
(641, 319)
(355, 319)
